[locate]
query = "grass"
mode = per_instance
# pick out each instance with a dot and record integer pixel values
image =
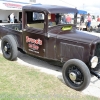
(18, 82)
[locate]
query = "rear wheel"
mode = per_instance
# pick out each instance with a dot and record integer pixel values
(9, 47)
(76, 74)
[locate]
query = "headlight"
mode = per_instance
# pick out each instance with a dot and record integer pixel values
(94, 61)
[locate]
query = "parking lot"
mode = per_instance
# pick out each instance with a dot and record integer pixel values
(93, 88)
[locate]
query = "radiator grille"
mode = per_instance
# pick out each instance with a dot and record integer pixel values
(97, 51)
(71, 51)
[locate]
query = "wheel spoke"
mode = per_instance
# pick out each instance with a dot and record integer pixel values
(7, 48)
(79, 77)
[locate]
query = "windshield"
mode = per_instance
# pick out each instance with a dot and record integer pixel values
(59, 19)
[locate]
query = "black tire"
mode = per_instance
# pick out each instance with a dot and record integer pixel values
(81, 72)
(9, 47)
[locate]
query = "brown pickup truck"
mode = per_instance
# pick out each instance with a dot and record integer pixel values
(45, 33)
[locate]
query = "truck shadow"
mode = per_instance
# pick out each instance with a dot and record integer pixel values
(42, 65)
(37, 63)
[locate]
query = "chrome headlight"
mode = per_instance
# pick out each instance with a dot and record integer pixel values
(94, 61)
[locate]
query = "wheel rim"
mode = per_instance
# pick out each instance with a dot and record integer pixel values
(7, 49)
(74, 75)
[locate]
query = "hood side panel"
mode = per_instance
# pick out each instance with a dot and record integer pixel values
(71, 51)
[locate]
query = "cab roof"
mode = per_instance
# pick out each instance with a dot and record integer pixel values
(50, 8)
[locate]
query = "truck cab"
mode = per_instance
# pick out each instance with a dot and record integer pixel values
(41, 27)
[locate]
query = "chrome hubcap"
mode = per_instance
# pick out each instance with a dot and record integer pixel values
(72, 76)
(5, 48)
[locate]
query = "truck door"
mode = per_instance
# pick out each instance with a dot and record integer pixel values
(33, 34)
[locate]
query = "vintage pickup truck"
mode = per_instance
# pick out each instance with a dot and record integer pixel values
(44, 34)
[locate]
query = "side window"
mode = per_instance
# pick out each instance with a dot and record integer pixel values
(38, 16)
(35, 20)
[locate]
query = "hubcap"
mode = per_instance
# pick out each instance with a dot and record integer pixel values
(72, 76)
(5, 48)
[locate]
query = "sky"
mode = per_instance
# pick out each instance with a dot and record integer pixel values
(92, 7)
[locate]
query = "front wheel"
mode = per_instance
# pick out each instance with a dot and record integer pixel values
(9, 47)
(76, 74)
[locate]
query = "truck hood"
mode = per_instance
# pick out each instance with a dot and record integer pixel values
(75, 35)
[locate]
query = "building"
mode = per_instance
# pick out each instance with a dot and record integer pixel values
(9, 6)
(15, 6)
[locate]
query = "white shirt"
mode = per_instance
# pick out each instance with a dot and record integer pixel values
(12, 17)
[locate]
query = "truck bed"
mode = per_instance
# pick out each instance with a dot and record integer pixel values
(12, 29)
(15, 26)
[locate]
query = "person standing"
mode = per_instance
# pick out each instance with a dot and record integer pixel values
(12, 18)
(81, 22)
(68, 19)
(8, 18)
(63, 19)
(58, 19)
(98, 19)
(88, 22)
